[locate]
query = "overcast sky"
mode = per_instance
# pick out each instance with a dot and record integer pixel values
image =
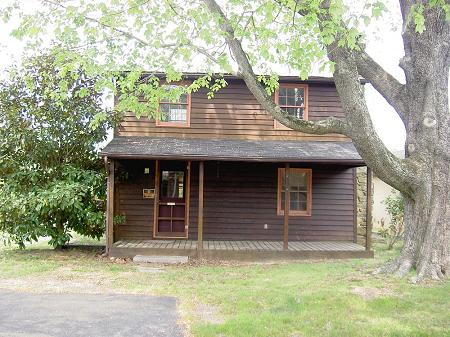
(386, 49)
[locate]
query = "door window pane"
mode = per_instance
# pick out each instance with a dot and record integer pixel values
(172, 184)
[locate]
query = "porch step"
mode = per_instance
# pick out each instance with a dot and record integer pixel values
(160, 259)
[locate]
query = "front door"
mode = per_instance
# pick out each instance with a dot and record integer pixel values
(172, 205)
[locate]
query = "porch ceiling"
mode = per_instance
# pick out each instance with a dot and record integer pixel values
(233, 150)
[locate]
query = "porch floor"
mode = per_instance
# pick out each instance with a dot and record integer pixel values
(241, 250)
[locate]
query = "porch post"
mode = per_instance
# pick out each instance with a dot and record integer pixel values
(287, 201)
(201, 178)
(188, 200)
(369, 209)
(109, 205)
(156, 200)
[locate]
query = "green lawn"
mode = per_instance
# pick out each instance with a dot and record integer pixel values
(322, 298)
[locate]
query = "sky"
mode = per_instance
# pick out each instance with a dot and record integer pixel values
(385, 47)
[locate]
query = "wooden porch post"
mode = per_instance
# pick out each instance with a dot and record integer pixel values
(156, 200)
(109, 205)
(369, 209)
(188, 199)
(201, 178)
(287, 201)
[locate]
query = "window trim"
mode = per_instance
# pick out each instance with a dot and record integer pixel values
(308, 211)
(177, 124)
(276, 124)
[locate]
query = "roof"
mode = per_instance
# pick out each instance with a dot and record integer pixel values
(227, 76)
(232, 150)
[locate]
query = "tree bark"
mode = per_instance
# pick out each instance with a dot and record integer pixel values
(60, 230)
(427, 232)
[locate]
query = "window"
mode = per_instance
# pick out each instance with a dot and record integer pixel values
(174, 113)
(172, 185)
(300, 185)
(292, 98)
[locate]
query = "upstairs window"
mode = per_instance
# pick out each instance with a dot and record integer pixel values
(174, 112)
(292, 98)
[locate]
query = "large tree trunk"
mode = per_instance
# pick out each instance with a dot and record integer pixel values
(427, 212)
(427, 232)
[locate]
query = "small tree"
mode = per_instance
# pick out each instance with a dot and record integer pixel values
(395, 205)
(52, 181)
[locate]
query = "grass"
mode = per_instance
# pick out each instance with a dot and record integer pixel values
(321, 298)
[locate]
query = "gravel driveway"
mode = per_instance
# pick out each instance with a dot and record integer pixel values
(44, 315)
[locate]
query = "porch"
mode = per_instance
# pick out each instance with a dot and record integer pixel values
(274, 206)
(241, 250)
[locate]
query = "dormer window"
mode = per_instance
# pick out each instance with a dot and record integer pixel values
(174, 113)
(292, 98)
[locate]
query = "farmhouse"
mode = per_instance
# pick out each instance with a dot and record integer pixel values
(221, 178)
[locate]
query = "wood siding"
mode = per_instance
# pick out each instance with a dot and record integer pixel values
(235, 113)
(138, 211)
(240, 198)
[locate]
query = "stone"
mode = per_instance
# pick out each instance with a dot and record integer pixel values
(160, 259)
(361, 197)
(151, 270)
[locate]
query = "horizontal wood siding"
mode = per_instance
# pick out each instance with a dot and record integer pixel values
(235, 113)
(240, 198)
(138, 211)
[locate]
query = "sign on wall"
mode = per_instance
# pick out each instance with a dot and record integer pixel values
(148, 193)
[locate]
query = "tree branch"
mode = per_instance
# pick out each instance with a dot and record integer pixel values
(388, 86)
(399, 173)
(115, 29)
(326, 126)
(140, 40)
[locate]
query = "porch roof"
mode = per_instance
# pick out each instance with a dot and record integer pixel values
(233, 150)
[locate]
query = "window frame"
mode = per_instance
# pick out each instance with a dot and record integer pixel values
(308, 211)
(177, 124)
(277, 125)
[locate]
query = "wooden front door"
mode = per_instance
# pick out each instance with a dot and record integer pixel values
(173, 200)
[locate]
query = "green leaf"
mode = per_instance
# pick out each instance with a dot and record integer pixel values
(378, 8)
(416, 15)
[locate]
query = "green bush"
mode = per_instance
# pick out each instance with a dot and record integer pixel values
(52, 180)
(395, 205)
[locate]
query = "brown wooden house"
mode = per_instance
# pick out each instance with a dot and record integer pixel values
(221, 178)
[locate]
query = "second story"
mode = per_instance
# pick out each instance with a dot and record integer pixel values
(234, 113)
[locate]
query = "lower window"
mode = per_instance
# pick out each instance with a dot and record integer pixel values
(300, 186)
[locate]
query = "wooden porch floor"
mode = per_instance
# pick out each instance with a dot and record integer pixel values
(239, 245)
(241, 250)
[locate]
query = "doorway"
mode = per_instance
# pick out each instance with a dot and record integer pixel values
(172, 200)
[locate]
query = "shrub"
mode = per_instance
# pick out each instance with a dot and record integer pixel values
(394, 231)
(52, 181)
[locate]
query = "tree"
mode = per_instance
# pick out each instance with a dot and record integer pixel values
(52, 181)
(248, 36)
